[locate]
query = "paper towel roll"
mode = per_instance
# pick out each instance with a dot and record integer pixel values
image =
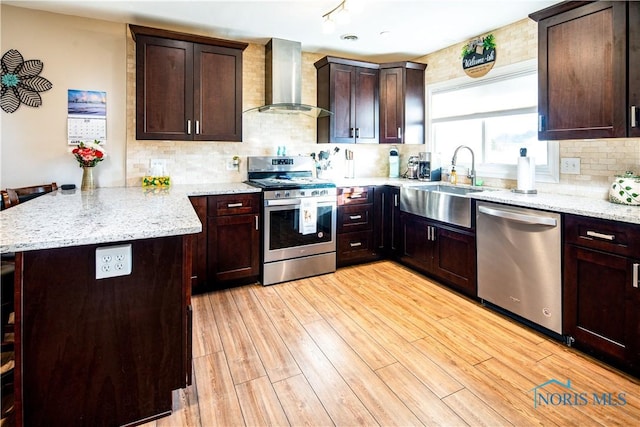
(526, 174)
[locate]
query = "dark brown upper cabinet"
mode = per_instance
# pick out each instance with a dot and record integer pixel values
(188, 87)
(349, 89)
(588, 61)
(402, 103)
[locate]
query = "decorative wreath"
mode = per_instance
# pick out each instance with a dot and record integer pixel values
(21, 82)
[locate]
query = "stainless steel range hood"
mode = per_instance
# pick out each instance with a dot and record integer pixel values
(283, 79)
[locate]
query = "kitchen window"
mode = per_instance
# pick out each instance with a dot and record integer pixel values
(495, 116)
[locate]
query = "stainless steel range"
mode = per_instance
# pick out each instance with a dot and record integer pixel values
(299, 218)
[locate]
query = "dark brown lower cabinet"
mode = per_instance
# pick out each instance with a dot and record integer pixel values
(357, 219)
(233, 245)
(233, 239)
(227, 251)
(102, 351)
(601, 289)
(444, 252)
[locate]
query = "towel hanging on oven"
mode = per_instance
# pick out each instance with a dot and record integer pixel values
(308, 216)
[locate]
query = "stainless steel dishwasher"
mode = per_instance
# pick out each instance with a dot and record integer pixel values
(519, 262)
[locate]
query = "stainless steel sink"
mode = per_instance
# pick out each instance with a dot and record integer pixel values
(451, 189)
(444, 203)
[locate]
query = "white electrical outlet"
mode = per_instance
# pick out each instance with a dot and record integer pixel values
(113, 261)
(158, 167)
(570, 165)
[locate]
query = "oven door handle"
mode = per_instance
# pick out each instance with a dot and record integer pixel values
(296, 202)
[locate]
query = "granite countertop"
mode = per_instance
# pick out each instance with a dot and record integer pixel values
(586, 206)
(75, 218)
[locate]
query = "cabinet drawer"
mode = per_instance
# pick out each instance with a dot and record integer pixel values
(355, 195)
(234, 204)
(355, 246)
(610, 236)
(355, 218)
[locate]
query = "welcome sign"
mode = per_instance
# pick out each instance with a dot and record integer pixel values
(478, 56)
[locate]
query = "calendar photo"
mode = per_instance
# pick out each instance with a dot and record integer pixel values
(86, 116)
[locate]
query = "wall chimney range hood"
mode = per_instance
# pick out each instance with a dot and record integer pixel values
(283, 79)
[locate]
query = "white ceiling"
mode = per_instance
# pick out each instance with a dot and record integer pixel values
(415, 28)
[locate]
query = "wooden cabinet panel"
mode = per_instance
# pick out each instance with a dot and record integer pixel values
(199, 262)
(233, 241)
(355, 195)
(455, 259)
(366, 105)
(234, 204)
(187, 87)
(355, 218)
(218, 93)
(107, 351)
(234, 247)
(402, 103)
(582, 60)
(634, 65)
(164, 88)
(417, 247)
(355, 247)
(600, 298)
(444, 252)
(355, 226)
(391, 105)
(349, 89)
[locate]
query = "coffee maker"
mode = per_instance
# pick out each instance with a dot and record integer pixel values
(413, 166)
(428, 169)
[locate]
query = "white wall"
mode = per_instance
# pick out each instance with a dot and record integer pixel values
(77, 54)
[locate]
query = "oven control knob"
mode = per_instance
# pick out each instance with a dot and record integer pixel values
(314, 192)
(324, 192)
(302, 194)
(287, 194)
(277, 194)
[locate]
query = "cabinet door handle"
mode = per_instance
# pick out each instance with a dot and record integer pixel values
(600, 235)
(354, 217)
(350, 132)
(257, 227)
(234, 205)
(634, 118)
(400, 134)
(636, 273)
(188, 127)
(355, 196)
(197, 127)
(357, 132)
(382, 220)
(355, 244)
(540, 122)
(395, 200)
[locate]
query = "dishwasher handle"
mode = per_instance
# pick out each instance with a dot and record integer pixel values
(519, 217)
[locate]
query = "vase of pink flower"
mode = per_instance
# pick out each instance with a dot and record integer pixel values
(88, 155)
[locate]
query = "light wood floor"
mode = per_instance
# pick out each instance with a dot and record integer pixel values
(381, 345)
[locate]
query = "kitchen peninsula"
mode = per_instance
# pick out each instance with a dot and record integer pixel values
(106, 350)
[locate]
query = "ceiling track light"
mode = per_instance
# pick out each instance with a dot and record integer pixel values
(341, 14)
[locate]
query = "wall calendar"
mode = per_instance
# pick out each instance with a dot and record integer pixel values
(86, 116)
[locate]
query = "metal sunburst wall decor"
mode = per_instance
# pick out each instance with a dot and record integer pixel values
(21, 82)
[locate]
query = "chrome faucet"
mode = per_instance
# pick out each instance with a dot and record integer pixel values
(472, 172)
